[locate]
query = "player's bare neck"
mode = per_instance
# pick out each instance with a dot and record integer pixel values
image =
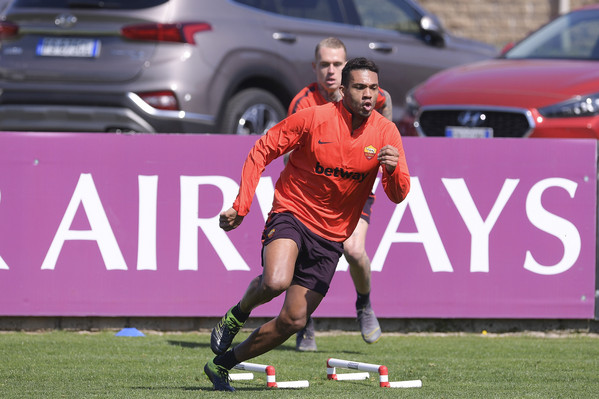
(356, 122)
(334, 96)
(330, 96)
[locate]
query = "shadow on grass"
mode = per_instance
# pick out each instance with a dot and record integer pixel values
(202, 345)
(351, 352)
(188, 344)
(318, 352)
(199, 388)
(283, 347)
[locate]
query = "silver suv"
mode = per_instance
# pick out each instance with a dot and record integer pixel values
(194, 66)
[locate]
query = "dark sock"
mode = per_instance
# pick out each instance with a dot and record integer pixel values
(363, 300)
(227, 359)
(239, 314)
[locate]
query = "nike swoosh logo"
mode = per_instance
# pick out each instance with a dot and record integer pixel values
(324, 142)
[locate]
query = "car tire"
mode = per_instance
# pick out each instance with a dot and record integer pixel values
(252, 111)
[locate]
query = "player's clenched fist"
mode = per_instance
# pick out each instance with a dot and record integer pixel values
(388, 156)
(229, 219)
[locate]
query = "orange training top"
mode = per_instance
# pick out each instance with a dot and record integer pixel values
(310, 96)
(330, 172)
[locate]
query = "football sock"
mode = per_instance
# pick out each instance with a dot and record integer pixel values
(227, 359)
(239, 314)
(363, 300)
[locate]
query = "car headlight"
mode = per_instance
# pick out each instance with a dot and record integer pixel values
(574, 107)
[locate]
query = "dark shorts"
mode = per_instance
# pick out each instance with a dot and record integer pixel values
(317, 258)
(367, 210)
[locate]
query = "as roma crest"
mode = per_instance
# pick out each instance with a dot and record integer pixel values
(369, 152)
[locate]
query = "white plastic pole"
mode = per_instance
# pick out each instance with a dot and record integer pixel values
(348, 364)
(406, 384)
(353, 376)
(382, 370)
(293, 384)
(271, 380)
(256, 368)
(241, 376)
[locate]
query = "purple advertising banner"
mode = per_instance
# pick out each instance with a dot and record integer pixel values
(127, 225)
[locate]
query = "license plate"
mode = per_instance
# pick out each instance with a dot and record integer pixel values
(469, 132)
(68, 47)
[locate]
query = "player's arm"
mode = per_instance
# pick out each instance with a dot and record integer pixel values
(396, 177)
(280, 139)
(387, 108)
(299, 102)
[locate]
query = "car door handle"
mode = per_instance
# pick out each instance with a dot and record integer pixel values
(284, 37)
(382, 47)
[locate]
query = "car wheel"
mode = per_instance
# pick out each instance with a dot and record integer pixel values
(252, 111)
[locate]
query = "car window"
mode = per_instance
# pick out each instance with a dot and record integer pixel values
(575, 36)
(322, 10)
(124, 4)
(388, 14)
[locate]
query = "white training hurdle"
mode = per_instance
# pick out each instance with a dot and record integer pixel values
(383, 372)
(271, 380)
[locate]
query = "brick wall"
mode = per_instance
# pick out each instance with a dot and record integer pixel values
(497, 22)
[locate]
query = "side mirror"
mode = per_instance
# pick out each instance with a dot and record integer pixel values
(432, 32)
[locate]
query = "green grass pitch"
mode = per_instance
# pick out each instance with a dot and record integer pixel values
(69, 364)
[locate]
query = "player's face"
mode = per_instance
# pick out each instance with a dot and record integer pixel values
(328, 66)
(361, 92)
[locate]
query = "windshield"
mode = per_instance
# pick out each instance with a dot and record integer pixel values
(108, 4)
(572, 36)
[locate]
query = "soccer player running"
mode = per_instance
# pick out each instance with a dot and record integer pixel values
(337, 150)
(330, 57)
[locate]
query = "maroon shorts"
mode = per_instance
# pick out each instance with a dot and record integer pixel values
(367, 210)
(317, 258)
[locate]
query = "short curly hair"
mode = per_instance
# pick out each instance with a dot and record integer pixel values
(357, 64)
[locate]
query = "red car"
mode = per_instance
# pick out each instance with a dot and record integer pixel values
(547, 85)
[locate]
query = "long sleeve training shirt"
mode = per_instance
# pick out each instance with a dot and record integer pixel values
(331, 170)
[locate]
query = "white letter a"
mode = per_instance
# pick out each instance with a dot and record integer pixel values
(100, 230)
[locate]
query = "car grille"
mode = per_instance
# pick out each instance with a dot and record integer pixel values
(506, 122)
